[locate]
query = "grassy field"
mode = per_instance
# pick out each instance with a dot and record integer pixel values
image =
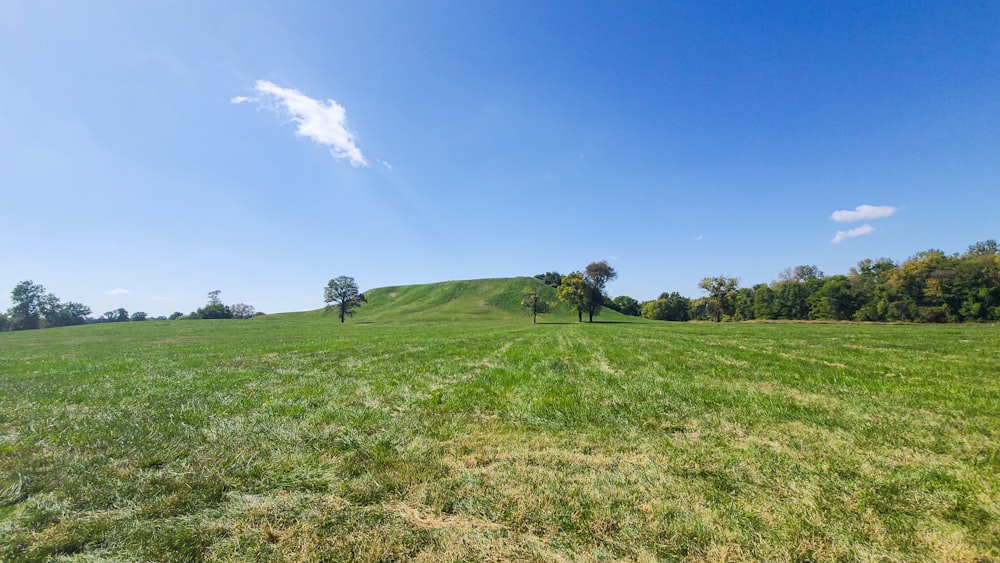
(407, 434)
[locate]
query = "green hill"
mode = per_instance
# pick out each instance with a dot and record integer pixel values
(466, 299)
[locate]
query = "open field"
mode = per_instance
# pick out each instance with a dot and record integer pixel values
(293, 437)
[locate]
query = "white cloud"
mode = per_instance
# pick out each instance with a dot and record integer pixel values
(699, 237)
(863, 212)
(387, 165)
(116, 291)
(855, 232)
(325, 122)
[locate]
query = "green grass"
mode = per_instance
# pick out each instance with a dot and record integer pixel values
(403, 435)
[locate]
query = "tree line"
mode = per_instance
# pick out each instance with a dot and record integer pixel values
(930, 286)
(33, 308)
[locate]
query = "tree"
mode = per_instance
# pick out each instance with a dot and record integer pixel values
(720, 296)
(802, 273)
(175, 315)
(551, 279)
(743, 304)
(870, 281)
(118, 315)
(66, 314)
(669, 307)
(28, 298)
(791, 300)
(138, 316)
(214, 309)
(599, 274)
(342, 293)
(763, 302)
(627, 305)
(34, 308)
(835, 299)
(4, 323)
(242, 311)
(575, 292)
(533, 302)
(213, 297)
(978, 278)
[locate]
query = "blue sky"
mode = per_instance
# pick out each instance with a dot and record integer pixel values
(151, 152)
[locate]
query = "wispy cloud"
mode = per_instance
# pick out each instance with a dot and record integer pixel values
(160, 298)
(855, 232)
(325, 122)
(117, 291)
(863, 213)
(699, 237)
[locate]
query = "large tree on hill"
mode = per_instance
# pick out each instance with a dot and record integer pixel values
(342, 293)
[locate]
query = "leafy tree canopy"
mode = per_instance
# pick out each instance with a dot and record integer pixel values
(627, 305)
(342, 294)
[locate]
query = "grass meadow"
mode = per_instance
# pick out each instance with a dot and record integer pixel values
(295, 438)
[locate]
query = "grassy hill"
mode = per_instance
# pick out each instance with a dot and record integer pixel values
(483, 299)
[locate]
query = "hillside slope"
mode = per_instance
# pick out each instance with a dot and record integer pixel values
(465, 299)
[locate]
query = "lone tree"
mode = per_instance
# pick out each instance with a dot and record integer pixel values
(598, 274)
(342, 293)
(533, 302)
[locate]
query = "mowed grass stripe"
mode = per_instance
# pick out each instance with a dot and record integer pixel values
(297, 438)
